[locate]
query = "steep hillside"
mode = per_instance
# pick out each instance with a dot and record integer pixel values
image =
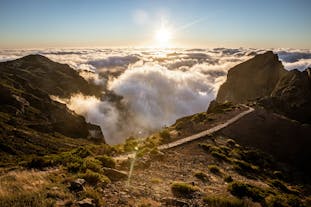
(30, 122)
(279, 96)
(289, 141)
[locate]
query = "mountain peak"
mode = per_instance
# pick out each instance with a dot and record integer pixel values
(35, 58)
(252, 79)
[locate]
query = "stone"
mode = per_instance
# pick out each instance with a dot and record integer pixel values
(87, 202)
(77, 185)
(175, 202)
(115, 175)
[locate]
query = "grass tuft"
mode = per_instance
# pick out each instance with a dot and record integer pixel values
(202, 176)
(241, 190)
(180, 189)
(214, 169)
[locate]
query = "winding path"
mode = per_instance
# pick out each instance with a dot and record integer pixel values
(195, 136)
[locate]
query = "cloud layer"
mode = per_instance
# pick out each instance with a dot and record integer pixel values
(146, 89)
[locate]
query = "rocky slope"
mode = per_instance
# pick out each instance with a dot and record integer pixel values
(280, 97)
(30, 121)
(264, 79)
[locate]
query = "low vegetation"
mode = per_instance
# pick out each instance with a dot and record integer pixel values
(224, 201)
(94, 178)
(185, 190)
(214, 169)
(202, 176)
(241, 190)
(228, 179)
(165, 134)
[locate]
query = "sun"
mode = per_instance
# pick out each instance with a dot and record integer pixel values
(163, 37)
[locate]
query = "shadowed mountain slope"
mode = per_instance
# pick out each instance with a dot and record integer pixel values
(29, 118)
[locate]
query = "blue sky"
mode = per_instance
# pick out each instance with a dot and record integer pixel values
(134, 23)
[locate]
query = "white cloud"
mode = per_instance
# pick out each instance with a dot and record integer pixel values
(157, 87)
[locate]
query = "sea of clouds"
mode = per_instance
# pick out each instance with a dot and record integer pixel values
(147, 89)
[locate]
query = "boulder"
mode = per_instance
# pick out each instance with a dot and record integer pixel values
(115, 175)
(77, 185)
(87, 202)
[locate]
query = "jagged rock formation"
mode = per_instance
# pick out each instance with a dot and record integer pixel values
(291, 96)
(29, 118)
(264, 79)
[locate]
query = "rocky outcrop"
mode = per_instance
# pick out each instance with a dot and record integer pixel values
(291, 96)
(115, 175)
(77, 185)
(255, 78)
(263, 79)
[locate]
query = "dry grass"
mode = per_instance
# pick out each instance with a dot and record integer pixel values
(30, 188)
(23, 181)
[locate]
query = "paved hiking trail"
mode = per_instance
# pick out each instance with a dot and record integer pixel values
(195, 136)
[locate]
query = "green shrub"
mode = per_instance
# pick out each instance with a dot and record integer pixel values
(94, 178)
(90, 192)
(130, 144)
(225, 149)
(216, 201)
(257, 157)
(214, 169)
(228, 179)
(39, 163)
(165, 134)
(220, 156)
(81, 152)
(180, 189)
(220, 107)
(201, 176)
(92, 164)
(143, 151)
(243, 167)
(281, 186)
(241, 190)
(200, 117)
(74, 167)
(230, 142)
(106, 161)
(206, 147)
(283, 200)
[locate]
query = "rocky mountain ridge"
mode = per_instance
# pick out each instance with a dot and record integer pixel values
(29, 118)
(264, 80)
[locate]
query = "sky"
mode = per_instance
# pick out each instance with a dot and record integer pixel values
(155, 23)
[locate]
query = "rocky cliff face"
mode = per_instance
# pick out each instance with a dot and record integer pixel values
(291, 96)
(252, 79)
(28, 114)
(264, 79)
